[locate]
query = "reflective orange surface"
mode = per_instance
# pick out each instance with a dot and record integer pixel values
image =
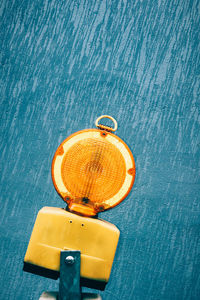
(93, 169)
(90, 168)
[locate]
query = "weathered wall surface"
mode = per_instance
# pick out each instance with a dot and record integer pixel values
(64, 63)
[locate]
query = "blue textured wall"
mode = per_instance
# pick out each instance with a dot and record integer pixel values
(64, 63)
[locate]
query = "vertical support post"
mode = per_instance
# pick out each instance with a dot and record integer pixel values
(69, 287)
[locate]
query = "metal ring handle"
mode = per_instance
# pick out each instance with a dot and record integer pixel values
(101, 126)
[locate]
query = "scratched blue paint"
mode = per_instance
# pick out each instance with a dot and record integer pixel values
(64, 63)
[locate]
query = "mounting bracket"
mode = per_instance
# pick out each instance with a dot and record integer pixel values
(69, 286)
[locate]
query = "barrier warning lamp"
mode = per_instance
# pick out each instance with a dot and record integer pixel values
(93, 170)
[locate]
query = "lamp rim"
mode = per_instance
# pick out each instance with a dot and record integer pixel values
(100, 131)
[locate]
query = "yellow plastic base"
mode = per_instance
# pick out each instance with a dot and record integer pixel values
(56, 229)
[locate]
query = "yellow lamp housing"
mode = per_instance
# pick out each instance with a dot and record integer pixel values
(56, 229)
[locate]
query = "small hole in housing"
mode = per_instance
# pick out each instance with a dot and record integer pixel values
(70, 221)
(82, 224)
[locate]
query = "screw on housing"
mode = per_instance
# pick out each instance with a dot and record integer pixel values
(70, 260)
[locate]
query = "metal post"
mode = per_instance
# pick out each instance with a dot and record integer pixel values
(69, 287)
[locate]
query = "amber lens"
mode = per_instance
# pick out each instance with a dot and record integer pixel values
(93, 169)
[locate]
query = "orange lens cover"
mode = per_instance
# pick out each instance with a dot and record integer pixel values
(93, 170)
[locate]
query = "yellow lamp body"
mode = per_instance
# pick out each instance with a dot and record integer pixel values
(56, 229)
